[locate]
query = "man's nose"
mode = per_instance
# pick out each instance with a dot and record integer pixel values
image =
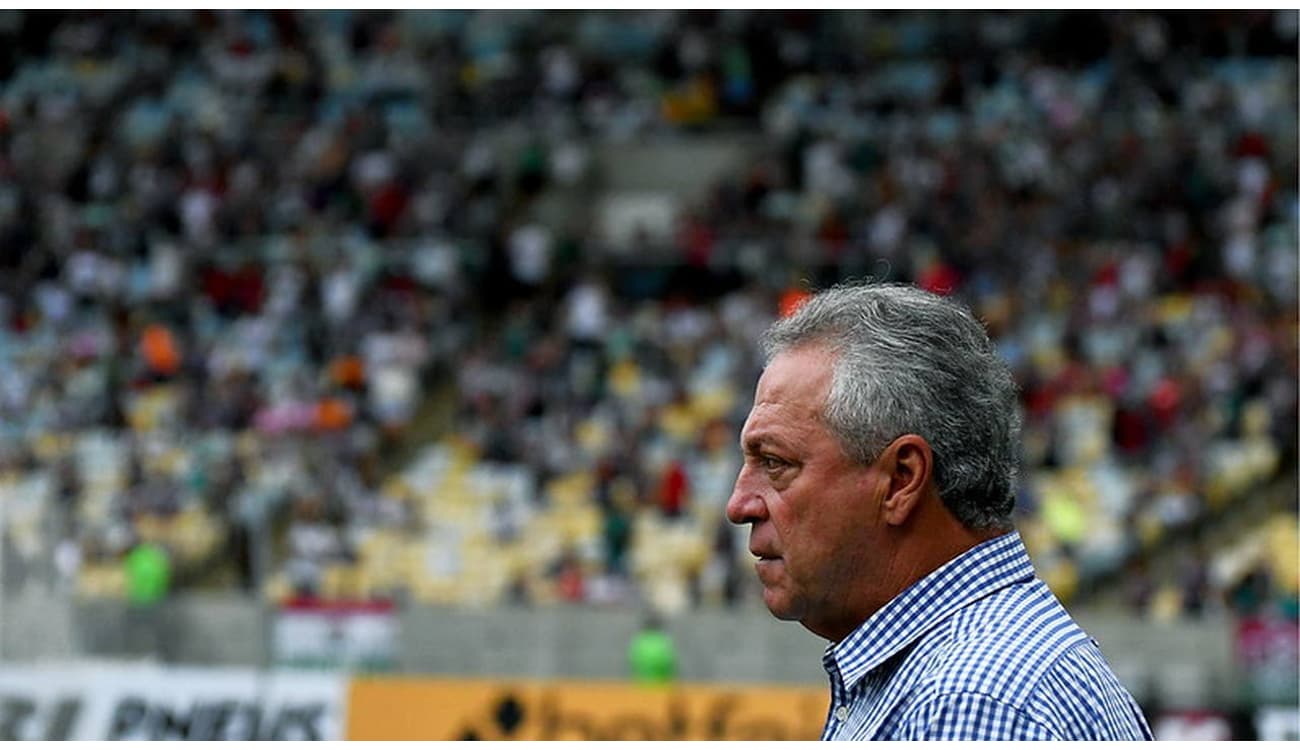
(745, 504)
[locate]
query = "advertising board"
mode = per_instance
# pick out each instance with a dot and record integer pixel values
(149, 702)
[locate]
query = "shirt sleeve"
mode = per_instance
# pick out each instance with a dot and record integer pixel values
(970, 716)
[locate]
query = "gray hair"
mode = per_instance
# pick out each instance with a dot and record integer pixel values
(907, 361)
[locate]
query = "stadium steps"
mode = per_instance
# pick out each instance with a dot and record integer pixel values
(432, 420)
(644, 185)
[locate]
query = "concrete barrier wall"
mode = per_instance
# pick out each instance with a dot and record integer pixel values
(1180, 664)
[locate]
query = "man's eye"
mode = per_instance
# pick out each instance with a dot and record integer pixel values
(771, 463)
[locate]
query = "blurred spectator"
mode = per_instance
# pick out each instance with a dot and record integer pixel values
(148, 581)
(651, 654)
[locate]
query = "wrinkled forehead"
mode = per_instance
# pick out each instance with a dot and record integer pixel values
(797, 375)
(794, 386)
(789, 405)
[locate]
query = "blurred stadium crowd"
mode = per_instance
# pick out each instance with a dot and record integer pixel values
(241, 253)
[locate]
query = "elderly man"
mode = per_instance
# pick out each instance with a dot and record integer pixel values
(879, 474)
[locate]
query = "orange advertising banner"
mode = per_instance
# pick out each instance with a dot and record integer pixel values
(399, 708)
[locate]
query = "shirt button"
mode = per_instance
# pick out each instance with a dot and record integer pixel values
(842, 713)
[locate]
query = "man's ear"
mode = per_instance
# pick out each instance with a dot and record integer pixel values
(910, 465)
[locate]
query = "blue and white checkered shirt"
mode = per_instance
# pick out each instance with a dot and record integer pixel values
(979, 649)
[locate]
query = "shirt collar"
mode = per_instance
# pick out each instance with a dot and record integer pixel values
(974, 574)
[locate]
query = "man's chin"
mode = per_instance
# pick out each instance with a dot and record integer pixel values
(779, 605)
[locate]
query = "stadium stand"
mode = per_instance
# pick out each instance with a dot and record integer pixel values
(459, 307)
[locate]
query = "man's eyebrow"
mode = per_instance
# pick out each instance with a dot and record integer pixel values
(756, 443)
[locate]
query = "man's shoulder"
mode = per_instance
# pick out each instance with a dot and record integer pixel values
(1020, 651)
(1003, 645)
